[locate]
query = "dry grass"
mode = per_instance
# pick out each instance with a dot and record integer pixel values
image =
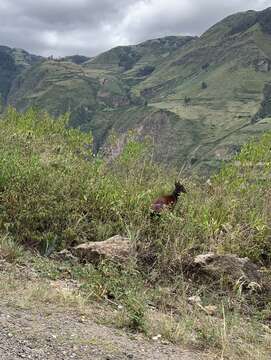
(166, 316)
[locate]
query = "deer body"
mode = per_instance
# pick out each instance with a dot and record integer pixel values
(167, 201)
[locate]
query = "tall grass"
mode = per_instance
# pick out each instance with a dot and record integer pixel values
(54, 193)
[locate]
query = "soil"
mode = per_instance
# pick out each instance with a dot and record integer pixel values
(53, 334)
(50, 331)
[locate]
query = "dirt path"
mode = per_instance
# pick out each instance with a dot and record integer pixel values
(38, 321)
(51, 333)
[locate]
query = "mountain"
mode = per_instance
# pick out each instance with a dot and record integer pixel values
(198, 98)
(12, 63)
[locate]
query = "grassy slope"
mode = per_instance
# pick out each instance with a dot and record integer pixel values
(52, 85)
(129, 59)
(234, 84)
(12, 63)
(99, 100)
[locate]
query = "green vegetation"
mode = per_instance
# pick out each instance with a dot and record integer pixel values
(55, 194)
(265, 109)
(12, 63)
(204, 85)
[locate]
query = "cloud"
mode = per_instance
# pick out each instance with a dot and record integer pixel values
(160, 18)
(65, 27)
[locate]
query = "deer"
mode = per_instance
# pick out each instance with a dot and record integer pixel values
(167, 202)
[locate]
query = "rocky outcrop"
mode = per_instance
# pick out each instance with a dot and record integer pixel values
(265, 108)
(263, 65)
(116, 248)
(65, 255)
(237, 271)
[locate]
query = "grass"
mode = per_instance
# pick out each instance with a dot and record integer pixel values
(55, 194)
(155, 310)
(9, 248)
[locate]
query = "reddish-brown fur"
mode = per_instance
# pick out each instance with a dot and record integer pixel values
(167, 201)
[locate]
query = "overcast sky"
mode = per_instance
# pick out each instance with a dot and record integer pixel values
(66, 27)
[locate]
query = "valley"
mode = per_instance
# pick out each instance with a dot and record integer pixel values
(197, 98)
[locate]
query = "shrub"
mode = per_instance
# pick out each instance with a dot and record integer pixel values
(55, 193)
(204, 85)
(146, 70)
(187, 100)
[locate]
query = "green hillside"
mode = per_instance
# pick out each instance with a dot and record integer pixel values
(12, 62)
(223, 75)
(55, 194)
(198, 99)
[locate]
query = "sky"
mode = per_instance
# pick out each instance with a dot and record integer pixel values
(88, 27)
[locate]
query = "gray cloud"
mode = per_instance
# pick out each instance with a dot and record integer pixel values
(62, 27)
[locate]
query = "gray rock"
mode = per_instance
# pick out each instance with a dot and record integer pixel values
(65, 255)
(117, 248)
(238, 271)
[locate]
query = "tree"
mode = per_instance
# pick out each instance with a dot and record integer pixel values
(204, 85)
(187, 100)
(205, 66)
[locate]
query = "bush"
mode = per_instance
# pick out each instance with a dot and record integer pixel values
(204, 85)
(146, 70)
(55, 193)
(187, 100)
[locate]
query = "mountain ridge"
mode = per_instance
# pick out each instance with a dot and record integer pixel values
(202, 96)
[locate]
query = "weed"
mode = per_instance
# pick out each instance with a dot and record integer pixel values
(9, 248)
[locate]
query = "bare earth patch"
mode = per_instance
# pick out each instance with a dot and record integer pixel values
(51, 333)
(35, 326)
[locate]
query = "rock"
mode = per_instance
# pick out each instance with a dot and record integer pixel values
(263, 65)
(157, 337)
(210, 309)
(238, 271)
(65, 255)
(117, 248)
(194, 299)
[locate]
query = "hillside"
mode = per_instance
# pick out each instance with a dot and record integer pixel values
(55, 195)
(198, 99)
(12, 63)
(223, 75)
